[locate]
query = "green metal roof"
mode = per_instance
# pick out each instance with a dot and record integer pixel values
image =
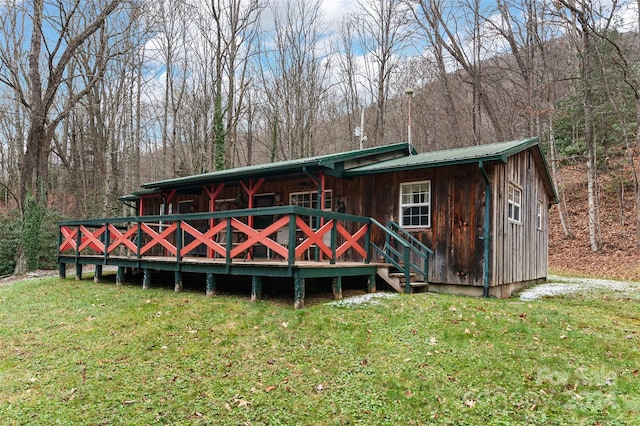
(450, 157)
(134, 196)
(381, 159)
(328, 162)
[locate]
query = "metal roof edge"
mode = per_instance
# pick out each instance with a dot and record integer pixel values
(328, 161)
(499, 155)
(545, 166)
(535, 142)
(136, 195)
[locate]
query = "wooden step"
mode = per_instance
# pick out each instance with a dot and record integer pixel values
(417, 286)
(397, 281)
(401, 274)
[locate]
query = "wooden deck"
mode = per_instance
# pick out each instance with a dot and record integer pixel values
(340, 246)
(216, 269)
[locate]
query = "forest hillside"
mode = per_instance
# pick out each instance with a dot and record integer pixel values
(97, 98)
(619, 257)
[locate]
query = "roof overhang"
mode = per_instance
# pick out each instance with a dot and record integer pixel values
(332, 164)
(135, 196)
(496, 152)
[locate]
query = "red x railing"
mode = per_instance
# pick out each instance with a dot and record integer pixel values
(225, 235)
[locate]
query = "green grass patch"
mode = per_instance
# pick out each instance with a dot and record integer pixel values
(83, 353)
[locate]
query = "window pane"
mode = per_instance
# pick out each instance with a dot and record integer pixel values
(415, 204)
(406, 216)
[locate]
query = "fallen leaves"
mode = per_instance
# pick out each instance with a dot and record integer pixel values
(238, 401)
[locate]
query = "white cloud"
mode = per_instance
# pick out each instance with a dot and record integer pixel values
(335, 10)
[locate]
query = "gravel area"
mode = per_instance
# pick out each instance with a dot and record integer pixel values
(557, 286)
(365, 299)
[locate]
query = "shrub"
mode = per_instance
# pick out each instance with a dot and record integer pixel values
(36, 236)
(9, 242)
(39, 236)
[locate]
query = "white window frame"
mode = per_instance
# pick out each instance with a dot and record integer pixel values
(514, 203)
(310, 200)
(415, 203)
(223, 204)
(539, 215)
(183, 203)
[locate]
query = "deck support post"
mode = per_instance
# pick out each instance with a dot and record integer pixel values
(97, 274)
(371, 284)
(178, 280)
(298, 291)
(62, 270)
(211, 284)
(256, 288)
(337, 288)
(146, 279)
(78, 271)
(120, 275)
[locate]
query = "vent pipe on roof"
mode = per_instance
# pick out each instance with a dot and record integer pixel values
(409, 93)
(359, 131)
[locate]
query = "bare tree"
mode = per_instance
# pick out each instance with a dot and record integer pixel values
(432, 32)
(351, 103)
(294, 77)
(442, 18)
(383, 29)
(626, 60)
(230, 28)
(43, 91)
(172, 28)
(580, 15)
(14, 112)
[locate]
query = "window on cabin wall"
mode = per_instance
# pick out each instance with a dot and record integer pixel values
(515, 203)
(223, 204)
(309, 199)
(185, 207)
(539, 217)
(415, 204)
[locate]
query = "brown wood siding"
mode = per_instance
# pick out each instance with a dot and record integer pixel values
(520, 250)
(457, 214)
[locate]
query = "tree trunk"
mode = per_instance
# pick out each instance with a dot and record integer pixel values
(556, 178)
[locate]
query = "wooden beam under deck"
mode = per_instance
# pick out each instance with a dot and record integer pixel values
(256, 269)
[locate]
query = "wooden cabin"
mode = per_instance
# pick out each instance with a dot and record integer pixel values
(470, 221)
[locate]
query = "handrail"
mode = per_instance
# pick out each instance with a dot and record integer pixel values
(407, 265)
(280, 210)
(418, 247)
(140, 236)
(409, 236)
(103, 236)
(410, 245)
